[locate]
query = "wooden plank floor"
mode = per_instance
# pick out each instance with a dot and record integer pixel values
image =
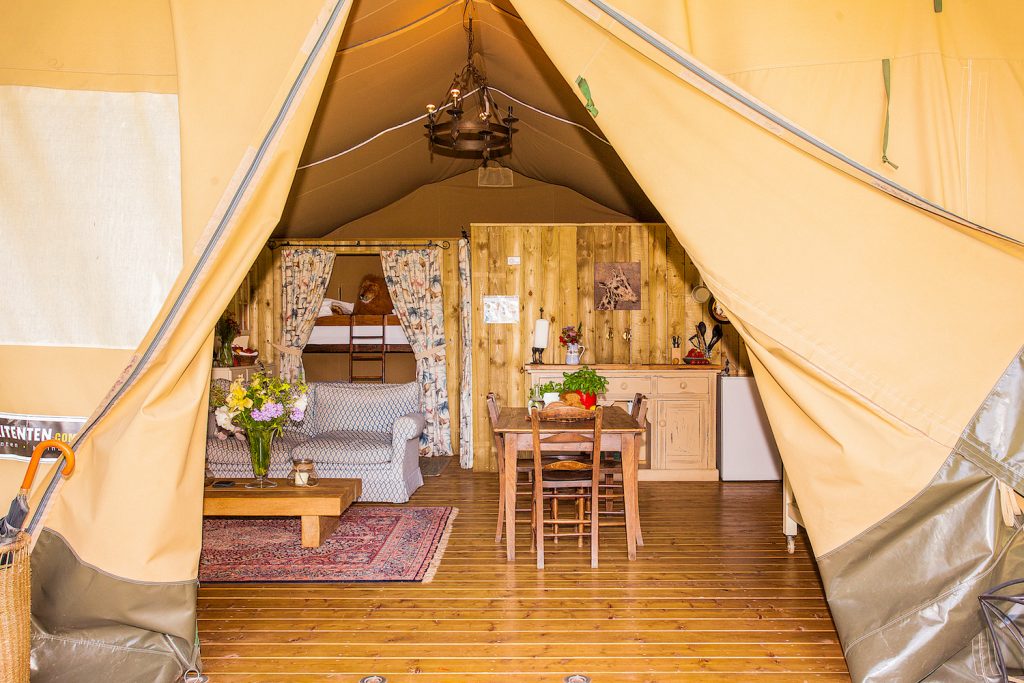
(712, 596)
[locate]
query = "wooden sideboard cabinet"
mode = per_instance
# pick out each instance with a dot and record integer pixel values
(241, 371)
(681, 414)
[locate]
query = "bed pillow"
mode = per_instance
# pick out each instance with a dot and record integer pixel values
(327, 307)
(341, 308)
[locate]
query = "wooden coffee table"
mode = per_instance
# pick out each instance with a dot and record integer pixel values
(320, 507)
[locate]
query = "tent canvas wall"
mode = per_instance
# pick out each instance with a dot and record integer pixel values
(847, 277)
(178, 124)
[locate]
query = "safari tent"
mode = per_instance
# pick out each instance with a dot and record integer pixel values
(845, 176)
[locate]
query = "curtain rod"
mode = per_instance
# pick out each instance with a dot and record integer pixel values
(429, 244)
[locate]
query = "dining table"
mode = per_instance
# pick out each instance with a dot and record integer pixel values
(619, 432)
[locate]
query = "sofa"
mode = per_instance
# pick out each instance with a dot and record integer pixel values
(353, 431)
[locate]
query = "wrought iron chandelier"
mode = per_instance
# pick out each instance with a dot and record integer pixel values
(483, 136)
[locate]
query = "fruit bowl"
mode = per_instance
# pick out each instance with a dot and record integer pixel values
(244, 356)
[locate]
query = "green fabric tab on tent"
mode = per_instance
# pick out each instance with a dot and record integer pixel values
(937, 4)
(887, 79)
(584, 87)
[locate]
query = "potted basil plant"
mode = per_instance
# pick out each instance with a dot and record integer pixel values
(549, 392)
(587, 383)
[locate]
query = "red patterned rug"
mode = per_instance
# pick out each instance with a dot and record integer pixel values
(372, 543)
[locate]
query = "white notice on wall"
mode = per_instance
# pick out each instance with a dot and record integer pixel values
(514, 260)
(501, 310)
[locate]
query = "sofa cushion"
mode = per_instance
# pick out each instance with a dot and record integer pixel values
(342, 406)
(347, 447)
(232, 451)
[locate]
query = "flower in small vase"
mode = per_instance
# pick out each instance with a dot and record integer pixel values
(227, 328)
(571, 335)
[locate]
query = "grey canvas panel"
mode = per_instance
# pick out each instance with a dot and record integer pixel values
(66, 660)
(995, 437)
(905, 592)
(117, 629)
(975, 662)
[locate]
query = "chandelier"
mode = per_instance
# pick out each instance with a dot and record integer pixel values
(483, 136)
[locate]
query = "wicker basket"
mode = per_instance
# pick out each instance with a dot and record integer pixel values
(15, 591)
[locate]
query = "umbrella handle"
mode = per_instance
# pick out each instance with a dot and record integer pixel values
(37, 453)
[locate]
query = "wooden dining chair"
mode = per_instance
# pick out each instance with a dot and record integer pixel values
(524, 471)
(577, 480)
(611, 466)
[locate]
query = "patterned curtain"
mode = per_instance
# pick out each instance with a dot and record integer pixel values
(466, 387)
(414, 280)
(305, 274)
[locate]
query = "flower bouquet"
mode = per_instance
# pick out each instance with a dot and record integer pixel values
(226, 329)
(262, 408)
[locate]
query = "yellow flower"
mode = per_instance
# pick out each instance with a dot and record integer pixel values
(236, 404)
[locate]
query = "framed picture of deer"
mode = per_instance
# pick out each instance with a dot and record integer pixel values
(617, 286)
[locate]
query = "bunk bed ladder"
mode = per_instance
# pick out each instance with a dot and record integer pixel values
(371, 356)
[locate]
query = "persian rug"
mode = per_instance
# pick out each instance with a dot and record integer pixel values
(433, 467)
(372, 543)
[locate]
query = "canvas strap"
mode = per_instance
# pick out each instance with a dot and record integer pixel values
(887, 80)
(434, 352)
(290, 350)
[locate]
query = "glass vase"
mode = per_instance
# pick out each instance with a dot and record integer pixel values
(225, 357)
(260, 442)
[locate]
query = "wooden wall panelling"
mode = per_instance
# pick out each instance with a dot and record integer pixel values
(676, 299)
(481, 268)
(551, 278)
(585, 286)
(277, 313)
(659, 304)
(602, 338)
(514, 354)
(620, 319)
(450, 291)
(639, 320)
(568, 291)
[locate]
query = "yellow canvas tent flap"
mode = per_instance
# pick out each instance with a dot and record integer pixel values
(880, 305)
(146, 151)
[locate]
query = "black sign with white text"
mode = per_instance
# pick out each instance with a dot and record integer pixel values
(20, 434)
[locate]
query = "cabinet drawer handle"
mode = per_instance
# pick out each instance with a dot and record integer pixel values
(682, 385)
(661, 424)
(623, 385)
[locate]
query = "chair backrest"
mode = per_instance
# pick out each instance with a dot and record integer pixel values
(593, 439)
(499, 443)
(639, 410)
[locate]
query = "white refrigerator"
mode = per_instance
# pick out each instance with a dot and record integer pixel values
(746, 447)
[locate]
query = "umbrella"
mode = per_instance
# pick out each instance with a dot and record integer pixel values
(15, 519)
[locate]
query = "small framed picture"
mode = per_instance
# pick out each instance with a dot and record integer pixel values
(716, 311)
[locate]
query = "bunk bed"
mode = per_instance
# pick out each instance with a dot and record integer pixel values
(365, 338)
(336, 334)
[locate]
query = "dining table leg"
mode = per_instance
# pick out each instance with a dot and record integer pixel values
(629, 492)
(509, 485)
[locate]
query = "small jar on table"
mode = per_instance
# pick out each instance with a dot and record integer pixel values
(303, 474)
